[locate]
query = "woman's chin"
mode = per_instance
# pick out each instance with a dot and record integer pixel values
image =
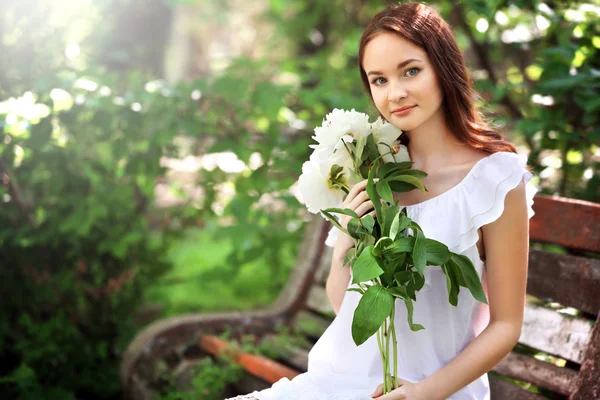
(405, 123)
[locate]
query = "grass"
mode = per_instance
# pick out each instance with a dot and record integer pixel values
(194, 285)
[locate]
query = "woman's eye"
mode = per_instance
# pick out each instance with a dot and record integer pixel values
(416, 71)
(376, 79)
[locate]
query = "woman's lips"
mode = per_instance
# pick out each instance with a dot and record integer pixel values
(403, 112)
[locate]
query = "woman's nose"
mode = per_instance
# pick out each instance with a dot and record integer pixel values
(397, 92)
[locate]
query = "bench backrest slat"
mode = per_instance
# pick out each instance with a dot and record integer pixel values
(566, 222)
(569, 280)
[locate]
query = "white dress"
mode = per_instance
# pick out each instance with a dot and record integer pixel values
(340, 370)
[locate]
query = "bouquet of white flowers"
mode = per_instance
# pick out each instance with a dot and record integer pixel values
(390, 251)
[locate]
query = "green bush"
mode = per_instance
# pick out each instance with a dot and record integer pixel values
(78, 182)
(79, 168)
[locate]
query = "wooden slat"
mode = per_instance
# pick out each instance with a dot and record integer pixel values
(541, 374)
(319, 302)
(292, 355)
(259, 366)
(569, 280)
(524, 368)
(543, 329)
(587, 383)
(554, 333)
(501, 389)
(504, 390)
(310, 324)
(248, 384)
(323, 272)
(566, 222)
(293, 296)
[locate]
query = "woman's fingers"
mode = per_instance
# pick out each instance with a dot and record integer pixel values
(378, 392)
(364, 207)
(356, 189)
(358, 200)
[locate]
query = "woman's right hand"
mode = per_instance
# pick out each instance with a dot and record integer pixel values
(358, 201)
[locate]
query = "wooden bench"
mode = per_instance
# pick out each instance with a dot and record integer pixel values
(567, 347)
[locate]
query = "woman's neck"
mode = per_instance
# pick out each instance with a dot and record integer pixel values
(432, 145)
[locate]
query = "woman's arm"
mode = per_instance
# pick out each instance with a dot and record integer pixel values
(338, 279)
(507, 248)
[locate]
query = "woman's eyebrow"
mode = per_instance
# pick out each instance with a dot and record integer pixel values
(400, 65)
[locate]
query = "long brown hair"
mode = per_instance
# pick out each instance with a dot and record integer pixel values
(423, 26)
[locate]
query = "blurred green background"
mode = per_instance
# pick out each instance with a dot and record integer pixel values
(149, 153)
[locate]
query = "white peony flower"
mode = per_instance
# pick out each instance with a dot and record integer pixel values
(388, 133)
(315, 189)
(341, 126)
(384, 131)
(342, 158)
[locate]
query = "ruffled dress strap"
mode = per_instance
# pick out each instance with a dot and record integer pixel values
(482, 195)
(476, 201)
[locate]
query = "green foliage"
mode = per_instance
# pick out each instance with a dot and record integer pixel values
(79, 166)
(76, 254)
(538, 71)
(80, 174)
(374, 307)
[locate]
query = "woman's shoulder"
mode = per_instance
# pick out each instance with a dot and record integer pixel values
(496, 174)
(479, 198)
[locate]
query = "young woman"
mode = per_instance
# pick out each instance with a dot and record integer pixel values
(478, 203)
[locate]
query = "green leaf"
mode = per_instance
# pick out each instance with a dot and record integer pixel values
(409, 307)
(388, 169)
(381, 244)
(401, 187)
(389, 215)
(334, 221)
(384, 191)
(451, 272)
(355, 290)
(404, 222)
(399, 259)
(368, 222)
(402, 277)
(365, 267)
(437, 252)
(355, 229)
(410, 180)
(471, 278)
(399, 224)
(398, 291)
(395, 225)
(371, 148)
(371, 191)
(417, 173)
(389, 268)
(373, 308)
(345, 211)
(414, 226)
(401, 245)
(418, 280)
(360, 146)
(419, 252)
(349, 256)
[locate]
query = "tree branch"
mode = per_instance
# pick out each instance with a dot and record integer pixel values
(484, 61)
(15, 192)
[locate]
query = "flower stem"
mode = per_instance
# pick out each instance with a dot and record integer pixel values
(387, 356)
(395, 343)
(381, 351)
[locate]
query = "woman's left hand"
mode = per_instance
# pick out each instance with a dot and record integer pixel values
(406, 391)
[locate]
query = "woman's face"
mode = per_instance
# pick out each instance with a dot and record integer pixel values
(396, 81)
